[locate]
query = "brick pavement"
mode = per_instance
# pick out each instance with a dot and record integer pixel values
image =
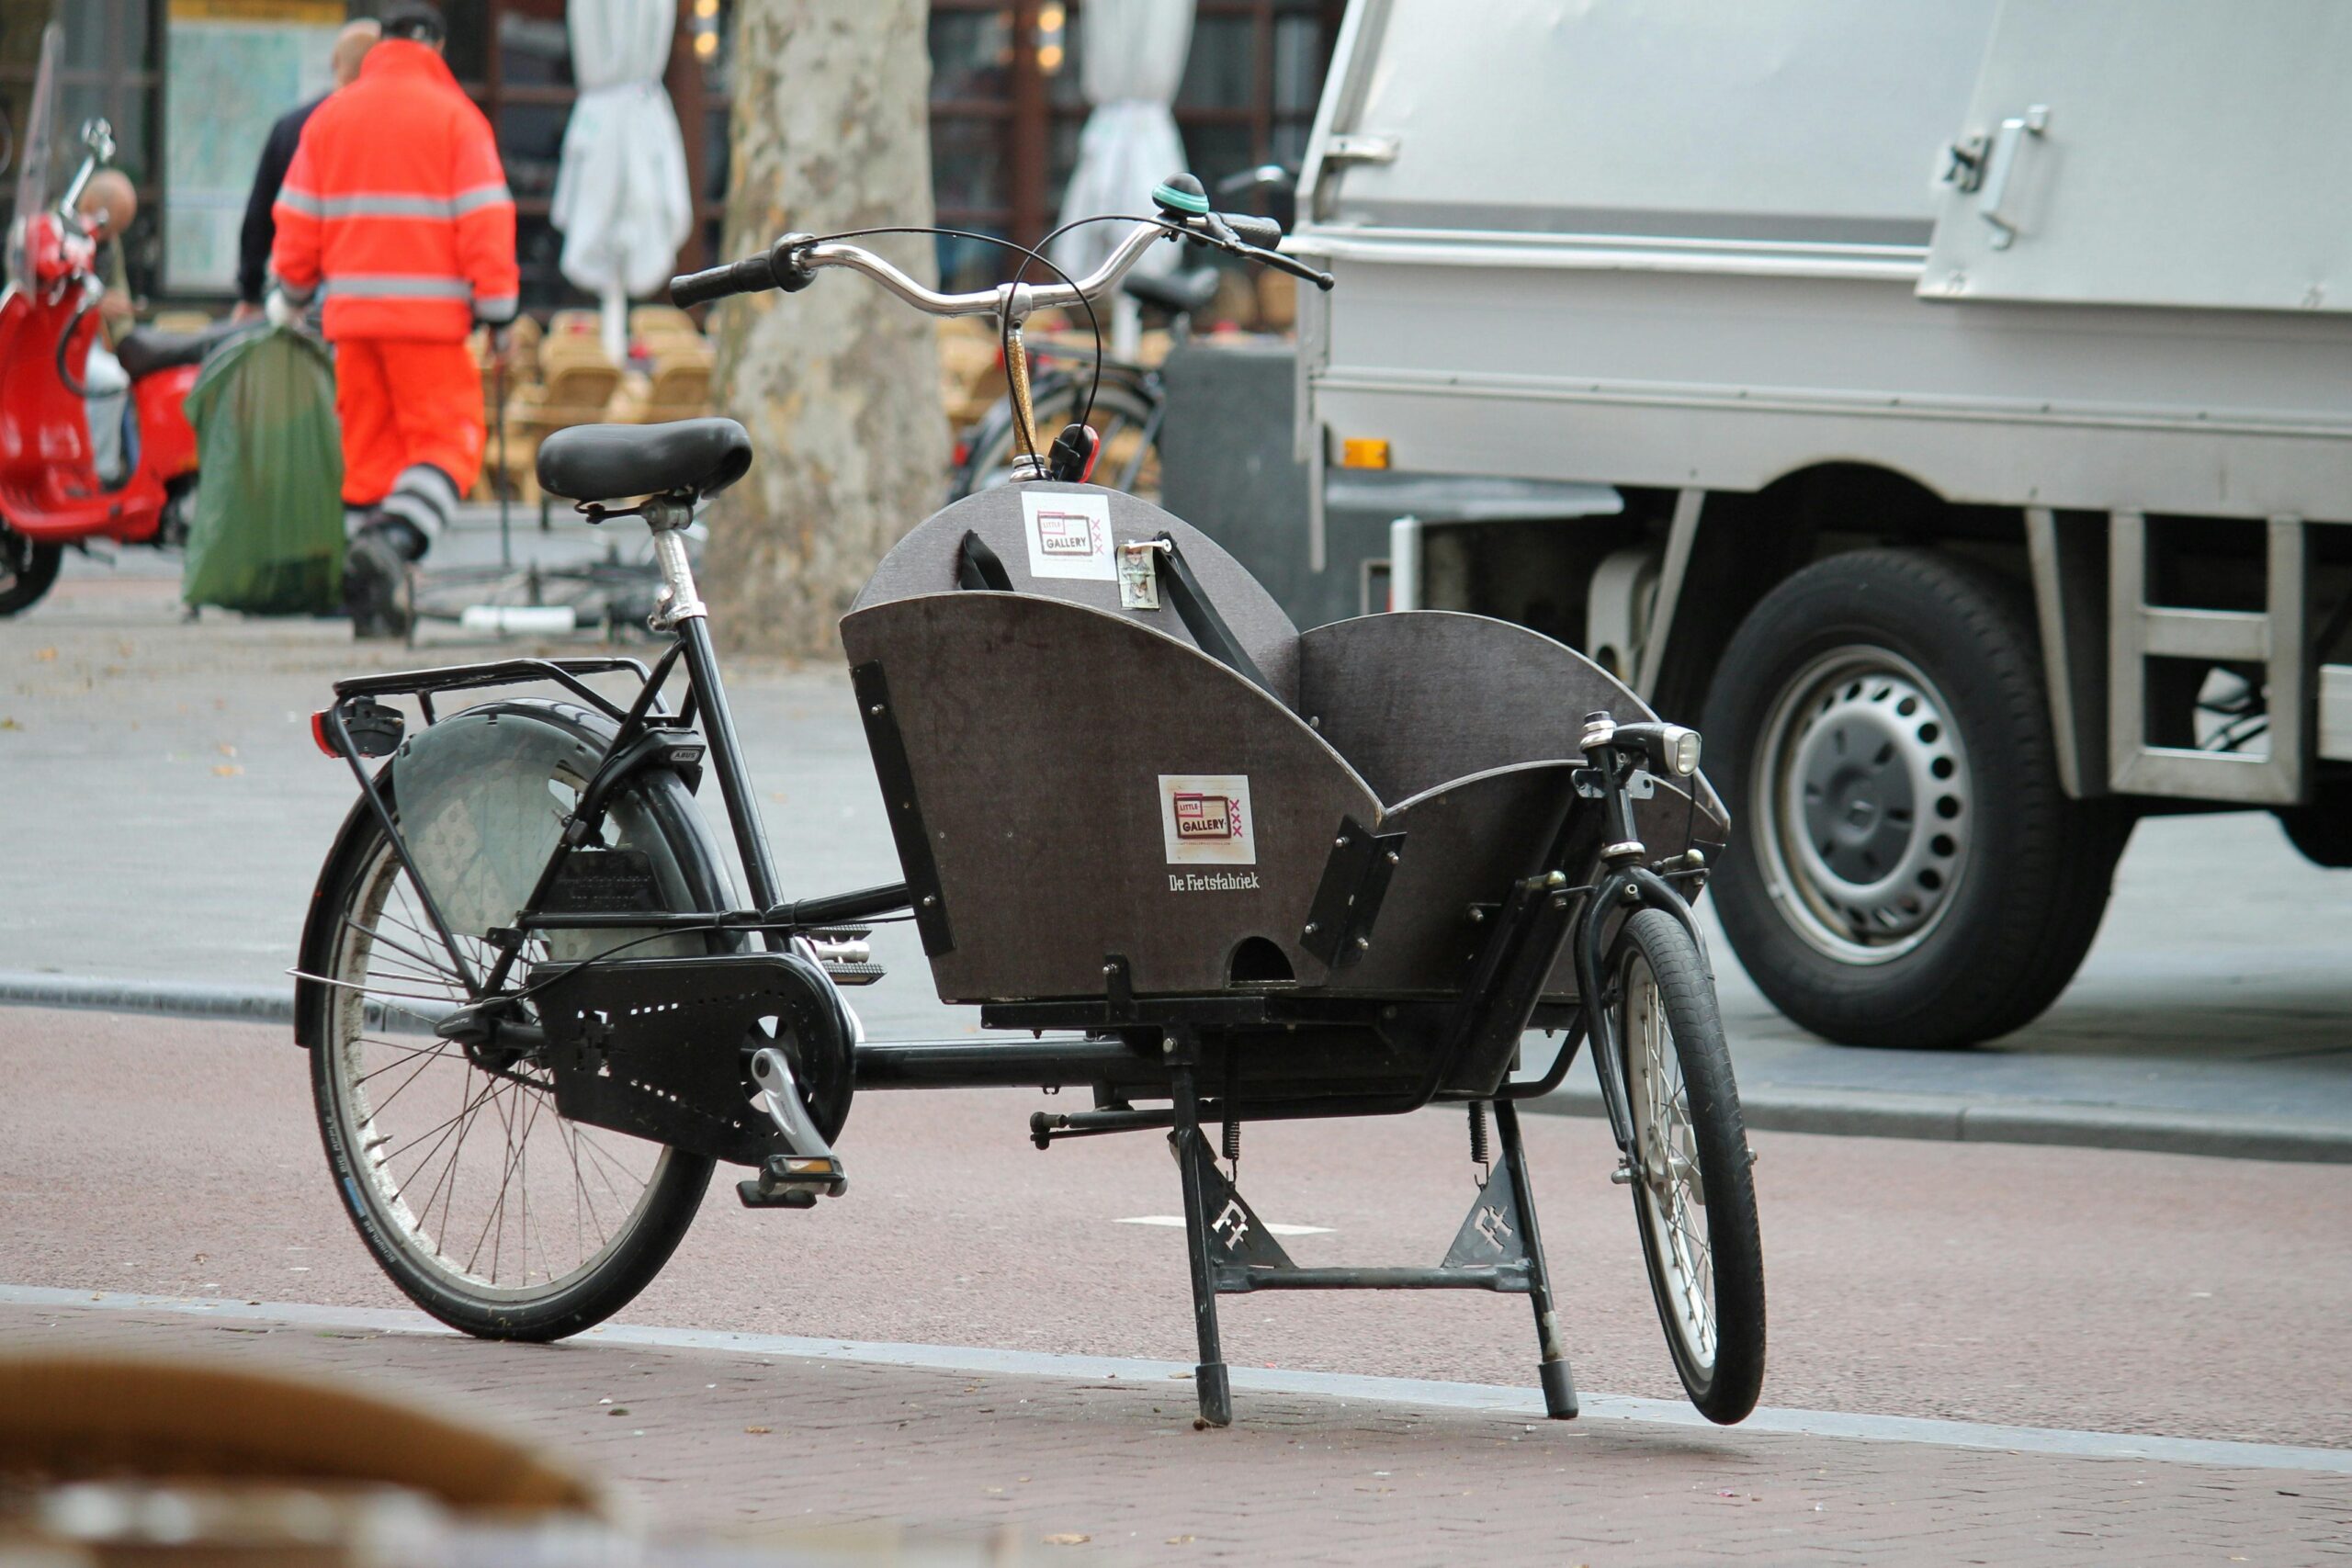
(1017, 1460)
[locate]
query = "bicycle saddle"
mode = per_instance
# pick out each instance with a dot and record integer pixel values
(143, 350)
(618, 462)
(1186, 294)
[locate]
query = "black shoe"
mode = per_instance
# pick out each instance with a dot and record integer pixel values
(374, 574)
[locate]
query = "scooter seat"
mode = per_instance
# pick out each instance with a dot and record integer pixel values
(614, 462)
(143, 350)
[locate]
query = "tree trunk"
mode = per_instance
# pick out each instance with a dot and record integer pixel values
(838, 385)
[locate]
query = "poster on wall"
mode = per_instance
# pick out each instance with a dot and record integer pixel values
(232, 68)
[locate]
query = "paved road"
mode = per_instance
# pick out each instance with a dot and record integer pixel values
(167, 814)
(2055, 1287)
(2095, 1290)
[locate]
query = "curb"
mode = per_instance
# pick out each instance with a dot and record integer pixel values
(1841, 1112)
(175, 999)
(1940, 1117)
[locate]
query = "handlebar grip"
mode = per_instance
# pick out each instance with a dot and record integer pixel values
(779, 266)
(1262, 233)
(746, 276)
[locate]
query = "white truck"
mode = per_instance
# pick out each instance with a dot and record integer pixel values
(1975, 382)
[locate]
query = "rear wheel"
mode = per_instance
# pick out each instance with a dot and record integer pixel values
(26, 570)
(489, 1210)
(1907, 870)
(1694, 1198)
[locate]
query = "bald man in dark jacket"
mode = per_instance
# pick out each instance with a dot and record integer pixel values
(260, 230)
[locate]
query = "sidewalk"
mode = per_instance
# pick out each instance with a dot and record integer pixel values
(1106, 1465)
(170, 814)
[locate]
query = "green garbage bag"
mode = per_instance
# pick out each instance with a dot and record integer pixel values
(268, 534)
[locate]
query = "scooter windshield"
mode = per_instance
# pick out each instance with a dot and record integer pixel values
(33, 153)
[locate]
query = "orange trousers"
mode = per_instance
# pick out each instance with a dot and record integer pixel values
(404, 402)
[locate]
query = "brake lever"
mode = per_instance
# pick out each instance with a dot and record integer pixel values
(1220, 234)
(1290, 264)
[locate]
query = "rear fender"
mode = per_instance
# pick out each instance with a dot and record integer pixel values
(688, 835)
(318, 921)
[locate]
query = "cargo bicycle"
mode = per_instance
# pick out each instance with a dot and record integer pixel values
(1205, 867)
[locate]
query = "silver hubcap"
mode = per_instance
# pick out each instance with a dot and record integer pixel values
(1667, 1180)
(1863, 793)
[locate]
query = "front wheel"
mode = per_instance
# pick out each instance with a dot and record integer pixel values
(1694, 1198)
(26, 570)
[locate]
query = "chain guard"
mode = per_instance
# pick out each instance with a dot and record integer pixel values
(658, 1047)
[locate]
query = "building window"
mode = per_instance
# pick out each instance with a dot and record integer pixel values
(514, 58)
(1007, 106)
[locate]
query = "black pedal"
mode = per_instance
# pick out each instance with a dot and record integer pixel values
(788, 1181)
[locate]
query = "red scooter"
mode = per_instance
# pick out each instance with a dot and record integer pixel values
(52, 494)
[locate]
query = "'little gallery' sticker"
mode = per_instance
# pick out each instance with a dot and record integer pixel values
(1070, 536)
(1205, 819)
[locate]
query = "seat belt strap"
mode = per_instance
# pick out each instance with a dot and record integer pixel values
(1200, 617)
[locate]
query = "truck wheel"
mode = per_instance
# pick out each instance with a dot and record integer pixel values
(1905, 869)
(2322, 830)
(26, 569)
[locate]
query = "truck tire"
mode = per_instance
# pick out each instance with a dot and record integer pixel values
(2321, 831)
(1904, 868)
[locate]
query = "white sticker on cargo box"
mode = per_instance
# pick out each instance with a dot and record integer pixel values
(1205, 820)
(1070, 536)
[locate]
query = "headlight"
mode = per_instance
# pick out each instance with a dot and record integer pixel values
(1682, 749)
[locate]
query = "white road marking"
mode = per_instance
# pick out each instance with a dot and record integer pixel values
(1429, 1394)
(1176, 1222)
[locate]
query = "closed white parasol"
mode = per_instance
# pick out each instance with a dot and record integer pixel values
(1132, 60)
(621, 196)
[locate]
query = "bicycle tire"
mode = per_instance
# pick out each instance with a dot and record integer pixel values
(27, 570)
(1689, 1143)
(376, 1194)
(1123, 412)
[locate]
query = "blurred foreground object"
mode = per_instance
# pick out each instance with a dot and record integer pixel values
(116, 1459)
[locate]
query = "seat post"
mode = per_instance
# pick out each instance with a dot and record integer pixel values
(669, 516)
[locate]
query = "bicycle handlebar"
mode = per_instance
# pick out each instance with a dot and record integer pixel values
(791, 265)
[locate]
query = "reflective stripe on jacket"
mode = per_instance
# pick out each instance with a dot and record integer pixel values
(396, 201)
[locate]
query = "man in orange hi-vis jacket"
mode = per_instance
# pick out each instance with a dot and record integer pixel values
(396, 203)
